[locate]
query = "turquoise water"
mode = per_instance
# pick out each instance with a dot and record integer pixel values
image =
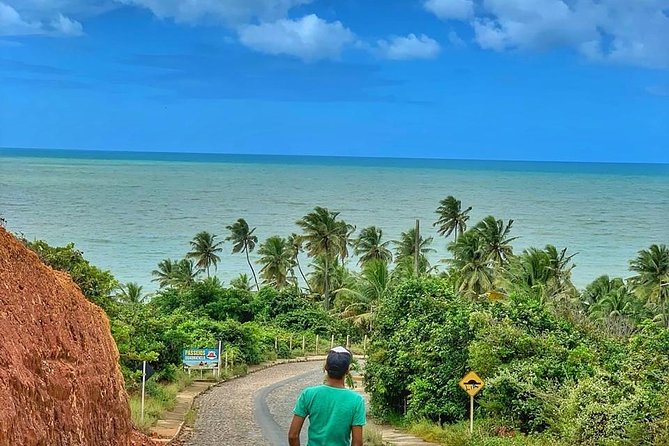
(128, 211)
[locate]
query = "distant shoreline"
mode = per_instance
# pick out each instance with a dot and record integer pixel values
(431, 163)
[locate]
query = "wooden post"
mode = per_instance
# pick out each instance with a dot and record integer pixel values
(317, 344)
(332, 342)
(348, 342)
(290, 343)
(276, 343)
(304, 345)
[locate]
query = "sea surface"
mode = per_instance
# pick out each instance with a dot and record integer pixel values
(128, 211)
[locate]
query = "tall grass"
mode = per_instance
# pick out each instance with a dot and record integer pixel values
(159, 398)
(484, 434)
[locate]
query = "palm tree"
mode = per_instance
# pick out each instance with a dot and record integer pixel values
(242, 282)
(495, 239)
(341, 282)
(325, 236)
(277, 260)
(599, 289)
(295, 245)
(405, 251)
(130, 293)
(165, 273)
(544, 272)
(185, 273)
(204, 250)
(474, 274)
(242, 239)
(617, 303)
(452, 219)
(651, 282)
(369, 246)
(373, 284)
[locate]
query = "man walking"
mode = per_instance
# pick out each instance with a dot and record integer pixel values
(336, 414)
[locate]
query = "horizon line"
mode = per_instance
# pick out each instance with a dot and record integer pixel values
(349, 157)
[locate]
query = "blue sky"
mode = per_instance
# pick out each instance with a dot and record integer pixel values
(567, 80)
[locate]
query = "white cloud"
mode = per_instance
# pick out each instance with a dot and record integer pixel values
(63, 16)
(12, 24)
(634, 32)
(456, 40)
(234, 12)
(450, 9)
(409, 47)
(309, 38)
(66, 26)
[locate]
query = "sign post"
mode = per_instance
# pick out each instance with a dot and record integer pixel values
(472, 384)
(202, 359)
(218, 372)
(143, 387)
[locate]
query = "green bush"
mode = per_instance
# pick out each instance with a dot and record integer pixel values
(419, 352)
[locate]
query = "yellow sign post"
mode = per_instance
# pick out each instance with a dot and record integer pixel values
(472, 384)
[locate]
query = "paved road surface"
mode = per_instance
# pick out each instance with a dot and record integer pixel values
(254, 410)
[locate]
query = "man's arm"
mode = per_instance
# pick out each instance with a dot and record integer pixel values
(296, 428)
(356, 436)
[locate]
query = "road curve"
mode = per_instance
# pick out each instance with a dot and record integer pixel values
(273, 405)
(254, 410)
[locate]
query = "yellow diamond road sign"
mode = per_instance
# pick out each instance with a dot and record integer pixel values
(471, 383)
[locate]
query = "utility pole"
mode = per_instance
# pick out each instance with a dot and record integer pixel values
(417, 248)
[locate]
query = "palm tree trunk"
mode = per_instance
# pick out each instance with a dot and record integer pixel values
(325, 279)
(252, 270)
(299, 267)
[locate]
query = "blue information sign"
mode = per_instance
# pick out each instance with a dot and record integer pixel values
(200, 358)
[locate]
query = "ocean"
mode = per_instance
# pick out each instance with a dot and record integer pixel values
(128, 211)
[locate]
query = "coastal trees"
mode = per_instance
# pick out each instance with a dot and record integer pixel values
(327, 237)
(243, 240)
(185, 273)
(369, 246)
(545, 273)
(495, 240)
(242, 282)
(406, 248)
(277, 260)
(651, 281)
(205, 249)
(452, 219)
(175, 273)
(295, 245)
(474, 275)
(165, 273)
(372, 285)
(130, 293)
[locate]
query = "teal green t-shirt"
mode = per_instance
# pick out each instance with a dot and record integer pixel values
(332, 411)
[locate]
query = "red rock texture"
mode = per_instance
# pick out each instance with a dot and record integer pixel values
(60, 383)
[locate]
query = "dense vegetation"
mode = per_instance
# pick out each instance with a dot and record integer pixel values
(561, 365)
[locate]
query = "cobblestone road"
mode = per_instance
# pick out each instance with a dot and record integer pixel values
(254, 410)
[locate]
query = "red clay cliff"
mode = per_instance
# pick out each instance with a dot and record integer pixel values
(60, 382)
